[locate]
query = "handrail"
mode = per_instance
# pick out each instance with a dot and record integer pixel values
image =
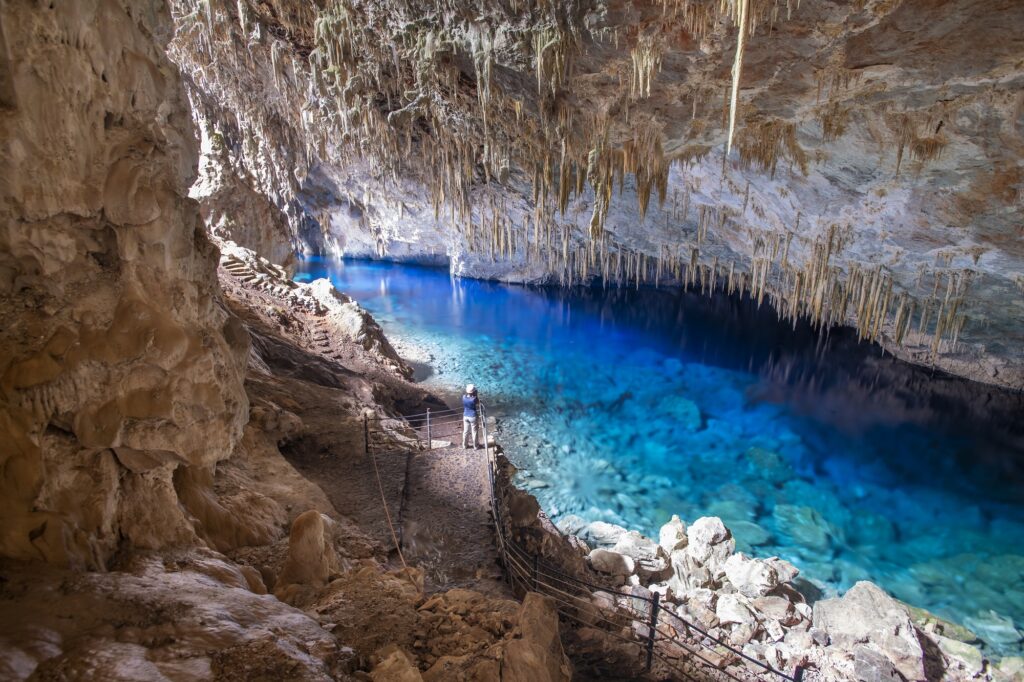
(532, 572)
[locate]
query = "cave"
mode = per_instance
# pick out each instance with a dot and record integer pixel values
(512, 340)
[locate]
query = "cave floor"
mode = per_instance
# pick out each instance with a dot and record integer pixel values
(446, 525)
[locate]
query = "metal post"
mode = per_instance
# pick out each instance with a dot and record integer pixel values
(366, 435)
(430, 440)
(535, 573)
(798, 674)
(483, 426)
(653, 628)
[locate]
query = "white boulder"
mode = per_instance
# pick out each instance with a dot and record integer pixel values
(612, 563)
(786, 571)
(601, 534)
(651, 560)
(672, 535)
(752, 577)
(710, 543)
(733, 608)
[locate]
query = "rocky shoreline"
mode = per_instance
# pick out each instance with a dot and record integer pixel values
(759, 606)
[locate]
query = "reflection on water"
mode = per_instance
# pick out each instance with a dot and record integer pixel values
(628, 406)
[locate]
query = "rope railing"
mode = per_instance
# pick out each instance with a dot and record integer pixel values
(655, 630)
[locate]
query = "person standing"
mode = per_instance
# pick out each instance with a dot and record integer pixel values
(470, 416)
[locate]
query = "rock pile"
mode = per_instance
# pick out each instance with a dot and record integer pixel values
(756, 606)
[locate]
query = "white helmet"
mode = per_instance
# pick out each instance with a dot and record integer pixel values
(470, 389)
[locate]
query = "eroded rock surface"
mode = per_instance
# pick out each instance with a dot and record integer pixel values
(119, 366)
(875, 157)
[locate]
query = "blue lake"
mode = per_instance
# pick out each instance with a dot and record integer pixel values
(630, 406)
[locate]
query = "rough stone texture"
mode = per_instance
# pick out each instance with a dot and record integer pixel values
(710, 543)
(537, 653)
(311, 558)
(672, 535)
(866, 614)
(612, 563)
(890, 129)
(187, 616)
(118, 366)
(602, 534)
(231, 208)
(752, 577)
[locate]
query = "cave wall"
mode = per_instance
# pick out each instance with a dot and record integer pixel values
(119, 365)
(875, 174)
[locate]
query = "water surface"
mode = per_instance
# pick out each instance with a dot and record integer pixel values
(629, 406)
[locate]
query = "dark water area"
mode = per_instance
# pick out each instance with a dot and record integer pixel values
(630, 405)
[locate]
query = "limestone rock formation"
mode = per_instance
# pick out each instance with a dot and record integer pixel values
(181, 617)
(119, 365)
(311, 558)
(862, 167)
(867, 614)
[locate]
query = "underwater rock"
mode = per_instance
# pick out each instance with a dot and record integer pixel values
(570, 524)
(732, 511)
(683, 411)
(769, 465)
(749, 534)
(602, 534)
(867, 614)
(804, 527)
(871, 530)
(672, 535)
(612, 563)
(752, 577)
(995, 630)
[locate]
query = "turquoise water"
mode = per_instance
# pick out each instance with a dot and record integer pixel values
(628, 406)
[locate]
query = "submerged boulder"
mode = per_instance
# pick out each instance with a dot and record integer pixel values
(804, 527)
(601, 534)
(994, 629)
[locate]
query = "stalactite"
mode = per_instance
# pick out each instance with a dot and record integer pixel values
(736, 70)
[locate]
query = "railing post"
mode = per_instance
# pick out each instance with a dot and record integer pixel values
(430, 439)
(366, 435)
(653, 625)
(483, 426)
(535, 559)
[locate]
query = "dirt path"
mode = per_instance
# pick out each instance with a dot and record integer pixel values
(446, 525)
